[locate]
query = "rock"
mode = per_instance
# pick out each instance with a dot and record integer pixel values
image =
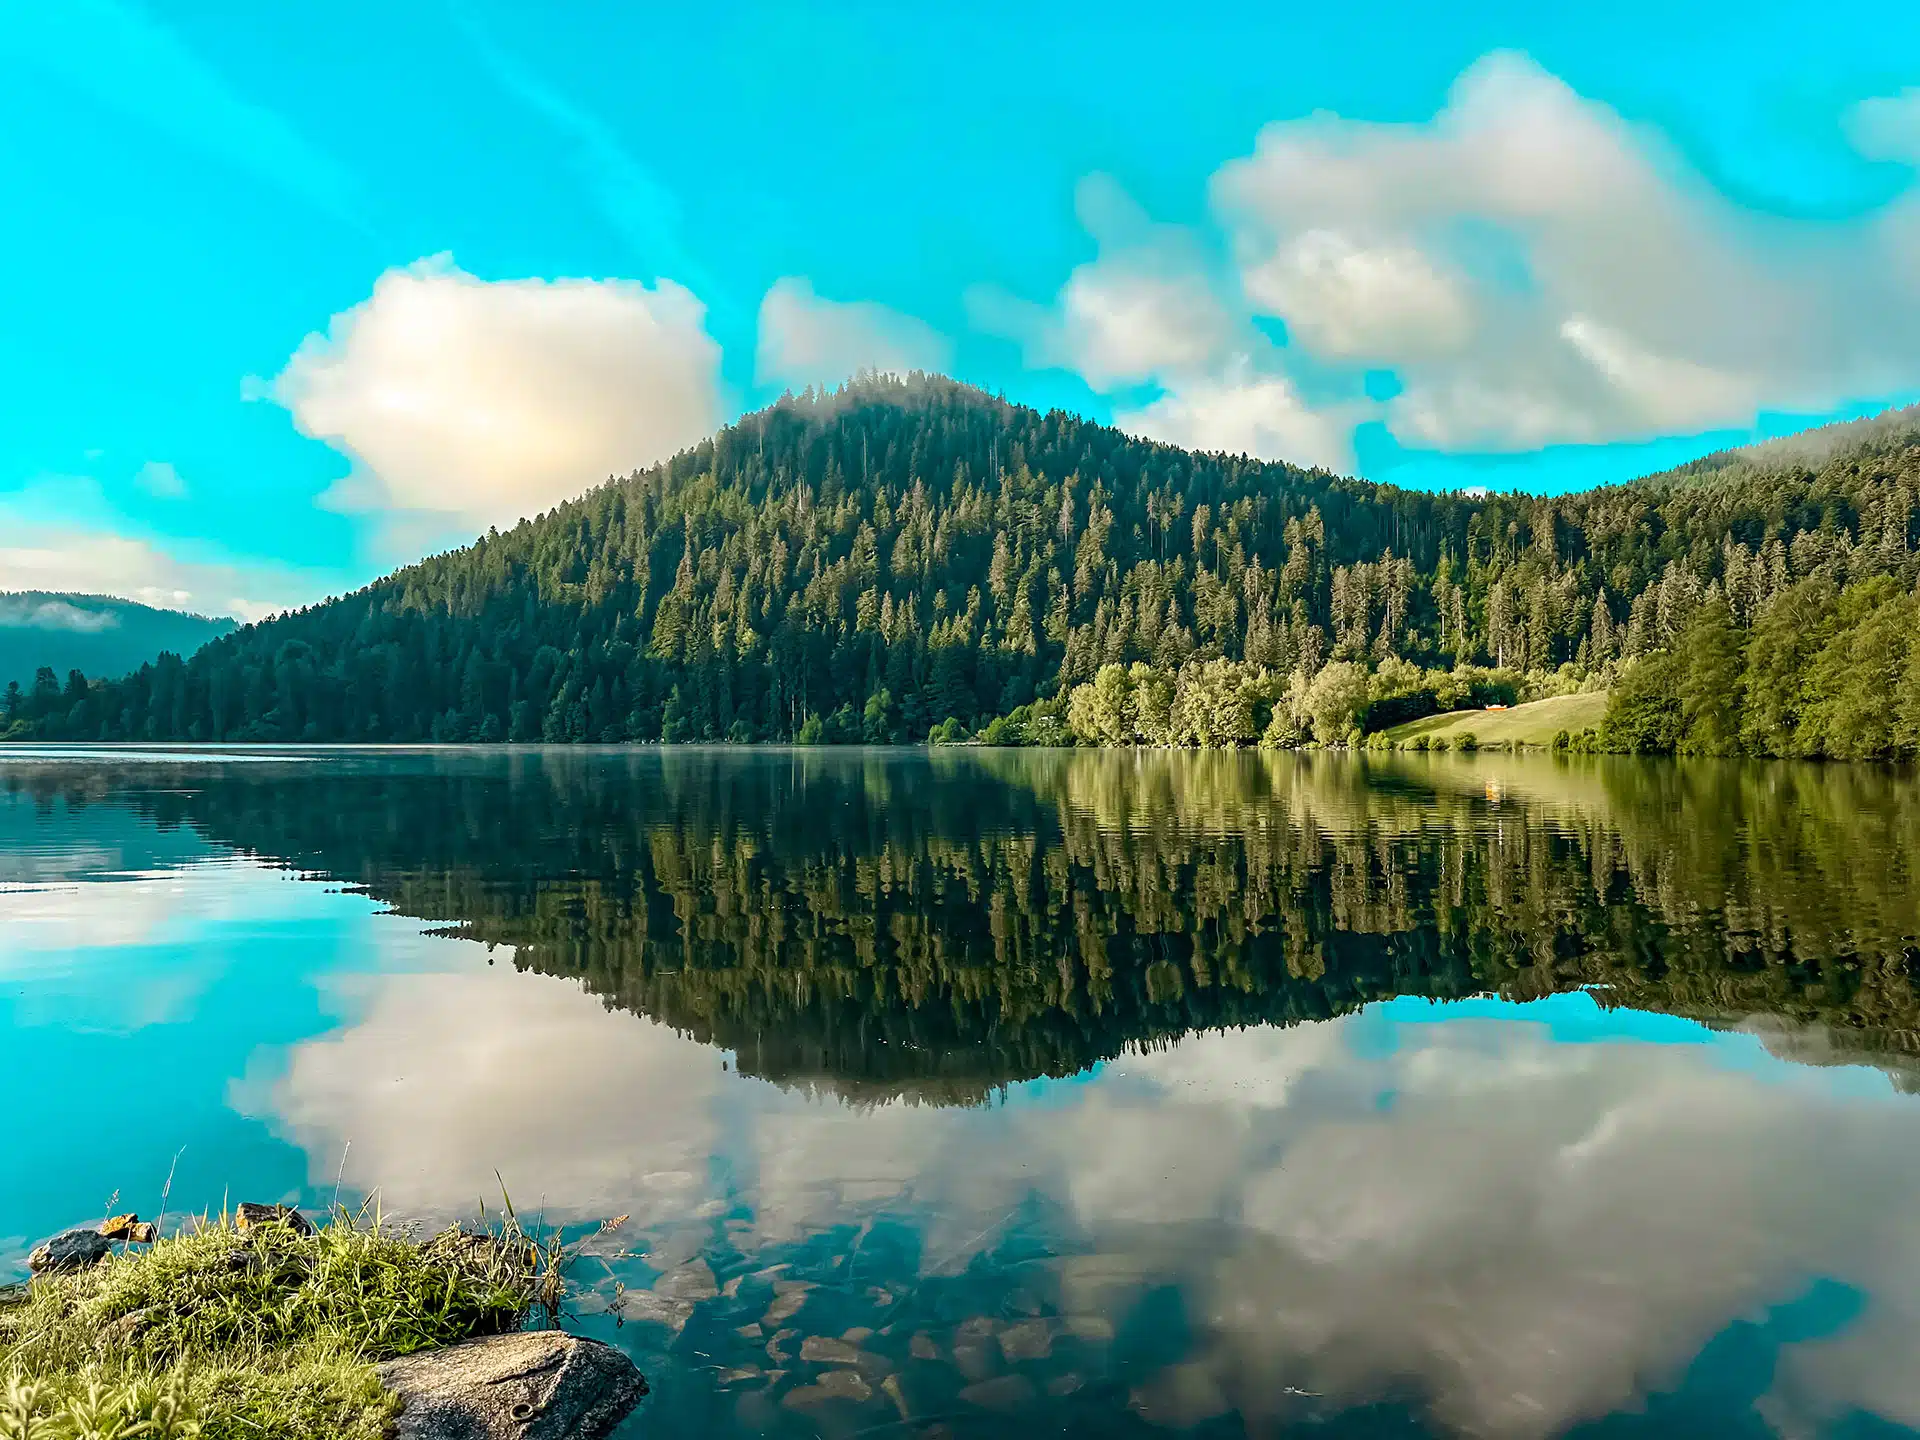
(976, 1362)
(692, 1281)
(117, 1227)
(1061, 1386)
(750, 1332)
(1029, 1340)
(895, 1391)
(857, 1334)
(249, 1215)
(14, 1295)
(644, 1307)
(922, 1346)
(142, 1234)
(825, 1350)
(72, 1250)
(786, 1303)
(124, 1330)
(535, 1385)
(834, 1385)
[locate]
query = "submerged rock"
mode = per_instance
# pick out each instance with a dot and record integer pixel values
(833, 1385)
(535, 1385)
(72, 1250)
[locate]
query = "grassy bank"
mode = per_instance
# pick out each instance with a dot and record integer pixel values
(1534, 723)
(220, 1332)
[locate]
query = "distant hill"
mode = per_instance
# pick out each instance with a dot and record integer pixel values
(99, 635)
(871, 562)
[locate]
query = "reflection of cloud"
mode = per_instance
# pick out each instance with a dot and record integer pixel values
(1536, 1231)
(445, 1079)
(1528, 1230)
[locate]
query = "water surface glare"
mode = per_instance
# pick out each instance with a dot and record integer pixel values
(1013, 1092)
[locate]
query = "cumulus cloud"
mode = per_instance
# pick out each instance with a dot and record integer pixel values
(806, 339)
(480, 402)
(1533, 270)
(1539, 271)
(1153, 310)
(1243, 413)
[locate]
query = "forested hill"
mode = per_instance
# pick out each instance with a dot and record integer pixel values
(97, 634)
(872, 562)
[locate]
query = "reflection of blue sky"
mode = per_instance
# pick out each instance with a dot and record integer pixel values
(127, 1006)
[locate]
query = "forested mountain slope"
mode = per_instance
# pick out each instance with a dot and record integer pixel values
(874, 561)
(99, 634)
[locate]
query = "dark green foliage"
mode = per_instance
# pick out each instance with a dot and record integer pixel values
(1821, 674)
(961, 557)
(1710, 683)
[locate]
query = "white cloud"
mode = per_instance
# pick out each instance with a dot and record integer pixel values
(60, 532)
(1144, 309)
(806, 339)
(480, 402)
(161, 480)
(93, 562)
(18, 612)
(1151, 310)
(1539, 271)
(1532, 268)
(1244, 414)
(1887, 127)
(1352, 301)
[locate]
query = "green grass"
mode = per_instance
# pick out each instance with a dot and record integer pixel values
(215, 1334)
(1534, 723)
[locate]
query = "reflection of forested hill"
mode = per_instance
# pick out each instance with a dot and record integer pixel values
(943, 922)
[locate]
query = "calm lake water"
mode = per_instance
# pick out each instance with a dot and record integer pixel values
(984, 1093)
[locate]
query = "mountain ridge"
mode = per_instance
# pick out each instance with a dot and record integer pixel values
(97, 634)
(877, 560)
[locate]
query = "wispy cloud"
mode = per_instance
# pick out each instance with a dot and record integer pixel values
(128, 62)
(642, 211)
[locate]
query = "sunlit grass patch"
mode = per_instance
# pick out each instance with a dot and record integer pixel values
(218, 1332)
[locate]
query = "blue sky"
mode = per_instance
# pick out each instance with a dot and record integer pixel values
(292, 293)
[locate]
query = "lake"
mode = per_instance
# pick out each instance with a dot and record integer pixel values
(966, 1092)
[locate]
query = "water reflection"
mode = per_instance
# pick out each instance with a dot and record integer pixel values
(1234, 1171)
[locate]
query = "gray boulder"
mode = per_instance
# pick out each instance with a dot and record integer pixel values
(71, 1250)
(535, 1385)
